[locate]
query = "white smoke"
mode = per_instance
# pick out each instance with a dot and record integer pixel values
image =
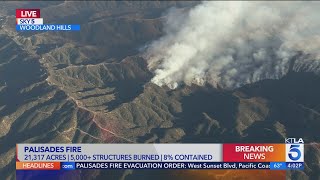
(234, 43)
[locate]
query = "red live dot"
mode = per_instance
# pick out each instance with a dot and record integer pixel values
(27, 13)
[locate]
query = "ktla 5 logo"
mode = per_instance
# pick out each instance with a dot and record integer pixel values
(294, 152)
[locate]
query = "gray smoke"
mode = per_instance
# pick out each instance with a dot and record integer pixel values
(234, 43)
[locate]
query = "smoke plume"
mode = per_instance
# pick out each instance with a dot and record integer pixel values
(229, 44)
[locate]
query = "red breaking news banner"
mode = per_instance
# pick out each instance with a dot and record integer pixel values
(27, 13)
(254, 152)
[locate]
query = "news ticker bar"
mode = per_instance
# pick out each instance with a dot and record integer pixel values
(47, 27)
(158, 165)
(160, 152)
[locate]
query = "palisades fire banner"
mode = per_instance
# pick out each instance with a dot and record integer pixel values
(286, 156)
(30, 20)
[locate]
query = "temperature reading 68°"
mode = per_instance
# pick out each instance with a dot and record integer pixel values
(277, 165)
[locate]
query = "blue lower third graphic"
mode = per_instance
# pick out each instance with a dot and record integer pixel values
(48, 27)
